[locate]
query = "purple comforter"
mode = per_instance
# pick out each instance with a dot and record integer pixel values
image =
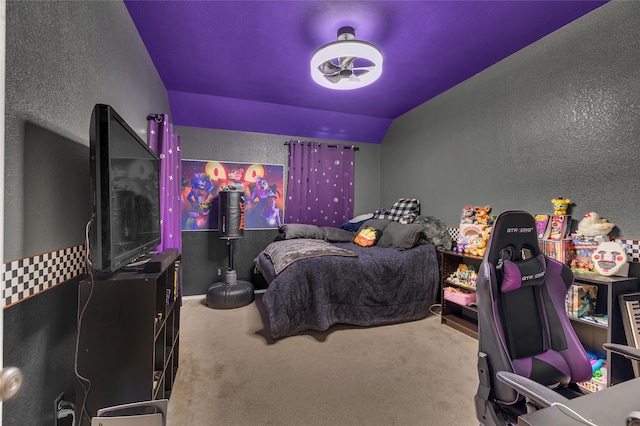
(380, 286)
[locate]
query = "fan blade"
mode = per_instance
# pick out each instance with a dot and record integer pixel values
(347, 62)
(328, 68)
(333, 78)
(360, 72)
(354, 78)
(363, 68)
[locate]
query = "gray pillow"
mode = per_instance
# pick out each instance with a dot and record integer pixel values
(401, 236)
(375, 223)
(337, 235)
(299, 230)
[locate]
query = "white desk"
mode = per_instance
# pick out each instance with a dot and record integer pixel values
(608, 407)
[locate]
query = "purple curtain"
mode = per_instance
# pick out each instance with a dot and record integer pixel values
(320, 184)
(166, 144)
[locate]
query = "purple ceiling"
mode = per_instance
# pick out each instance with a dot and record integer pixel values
(244, 65)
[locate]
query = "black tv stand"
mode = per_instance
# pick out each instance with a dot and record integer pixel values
(128, 336)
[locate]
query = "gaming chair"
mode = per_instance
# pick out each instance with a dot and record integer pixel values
(525, 339)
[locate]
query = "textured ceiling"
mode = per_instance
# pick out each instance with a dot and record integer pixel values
(244, 65)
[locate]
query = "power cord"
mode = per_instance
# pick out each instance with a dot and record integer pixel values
(571, 413)
(84, 382)
(436, 309)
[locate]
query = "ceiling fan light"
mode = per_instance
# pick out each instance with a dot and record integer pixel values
(342, 49)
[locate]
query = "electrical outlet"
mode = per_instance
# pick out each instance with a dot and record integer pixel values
(56, 407)
(219, 271)
(64, 412)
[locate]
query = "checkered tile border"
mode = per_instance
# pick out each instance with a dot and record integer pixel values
(25, 277)
(454, 233)
(632, 246)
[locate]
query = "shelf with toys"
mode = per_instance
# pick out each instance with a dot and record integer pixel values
(459, 273)
(592, 302)
(460, 267)
(594, 311)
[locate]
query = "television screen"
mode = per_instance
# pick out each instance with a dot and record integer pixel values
(126, 195)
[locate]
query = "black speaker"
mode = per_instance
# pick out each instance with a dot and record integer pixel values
(231, 214)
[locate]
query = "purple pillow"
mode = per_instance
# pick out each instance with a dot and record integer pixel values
(525, 273)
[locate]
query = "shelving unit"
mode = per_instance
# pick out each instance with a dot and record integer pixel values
(593, 335)
(128, 335)
(459, 316)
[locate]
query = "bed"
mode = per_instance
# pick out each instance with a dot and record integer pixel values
(313, 289)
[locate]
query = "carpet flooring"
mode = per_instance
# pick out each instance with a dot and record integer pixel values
(232, 373)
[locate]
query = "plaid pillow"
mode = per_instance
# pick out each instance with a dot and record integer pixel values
(405, 210)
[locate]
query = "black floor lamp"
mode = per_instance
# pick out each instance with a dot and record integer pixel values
(230, 293)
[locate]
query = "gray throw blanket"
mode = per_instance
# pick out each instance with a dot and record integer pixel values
(284, 253)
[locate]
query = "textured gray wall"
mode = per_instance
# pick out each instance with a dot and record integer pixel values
(210, 144)
(202, 251)
(62, 59)
(558, 118)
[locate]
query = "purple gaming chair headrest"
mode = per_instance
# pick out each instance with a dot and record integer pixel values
(526, 273)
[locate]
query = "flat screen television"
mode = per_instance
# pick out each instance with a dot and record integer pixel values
(125, 178)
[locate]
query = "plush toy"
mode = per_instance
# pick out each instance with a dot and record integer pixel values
(560, 205)
(435, 231)
(367, 237)
(468, 215)
(482, 215)
(592, 225)
(479, 242)
(609, 257)
(478, 245)
(465, 274)
(461, 244)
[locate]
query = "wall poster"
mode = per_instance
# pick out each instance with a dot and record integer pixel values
(262, 184)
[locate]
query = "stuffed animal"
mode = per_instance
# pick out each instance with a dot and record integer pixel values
(468, 215)
(482, 215)
(465, 275)
(478, 245)
(461, 245)
(560, 205)
(609, 257)
(592, 225)
(435, 231)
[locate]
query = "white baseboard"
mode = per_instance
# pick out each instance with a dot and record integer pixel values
(202, 296)
(196, 297)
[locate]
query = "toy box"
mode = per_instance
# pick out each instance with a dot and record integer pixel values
(558, 250)
(581, 300)
(580, 251)
(458, 296)
(559, 226)
(593, 385)
(598, 380)
(542, 221)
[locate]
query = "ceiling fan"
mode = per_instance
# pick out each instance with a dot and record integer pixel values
(347, 63)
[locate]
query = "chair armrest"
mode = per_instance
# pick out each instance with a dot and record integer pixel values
(624, 350)
(540, 394)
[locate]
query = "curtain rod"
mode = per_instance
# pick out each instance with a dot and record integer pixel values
(355, 148)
